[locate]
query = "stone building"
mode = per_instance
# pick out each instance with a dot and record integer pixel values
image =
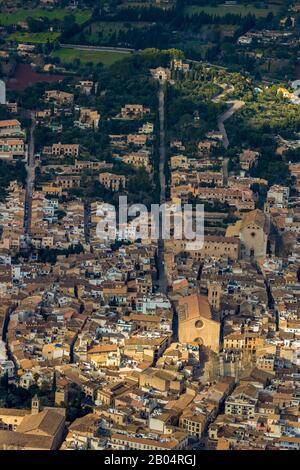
(254, 232)
(195, 322)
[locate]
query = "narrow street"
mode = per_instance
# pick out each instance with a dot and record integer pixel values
(162, 277)
(87, 222)
(162, 281)
(30, 179)
(162, 143)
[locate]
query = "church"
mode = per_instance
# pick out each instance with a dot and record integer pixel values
(253, 230)
(195, 322)
(35, 429)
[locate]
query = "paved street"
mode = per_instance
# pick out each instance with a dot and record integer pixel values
(235, 105)
(30, 178)
(162, 277)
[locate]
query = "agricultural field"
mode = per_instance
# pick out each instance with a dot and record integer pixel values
(105, 57)
(243, 10)
(34, 38)
(59, 13)
(104, 30)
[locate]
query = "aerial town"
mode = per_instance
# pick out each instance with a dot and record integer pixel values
(144, 343)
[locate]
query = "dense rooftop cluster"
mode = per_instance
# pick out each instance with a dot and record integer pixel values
(139, 342)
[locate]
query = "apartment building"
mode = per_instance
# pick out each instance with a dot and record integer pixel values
(123, 442)
(10, 127)
(59, 97)
(112, 182)
(216, 247)
(63, 150)
(137, 139)
(85, 86)
(13, 149)
(138, 160)
(194, 423)
(68, 181)
(241, 199)
(88, 119)
(104, 355)
(134, 111)
(242, 402)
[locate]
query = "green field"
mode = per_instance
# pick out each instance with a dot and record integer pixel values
(103, 30)
(243, 10)
(34, 38)
(59, 13)
(104, 57)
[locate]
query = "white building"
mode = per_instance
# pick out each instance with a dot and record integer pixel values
(7, 367)
(147, 304)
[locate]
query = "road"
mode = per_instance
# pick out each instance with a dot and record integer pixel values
(162, 277)
(234, 106)
(162, 143)
(162, 281)
(226, 89)
(82, 47)
(87, 222)
(30, 179)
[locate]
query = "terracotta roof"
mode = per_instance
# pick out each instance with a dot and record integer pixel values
(19, 440)
(194, 305)
(103, 348)
(9, 122)
(256, 217)
(48, 422)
